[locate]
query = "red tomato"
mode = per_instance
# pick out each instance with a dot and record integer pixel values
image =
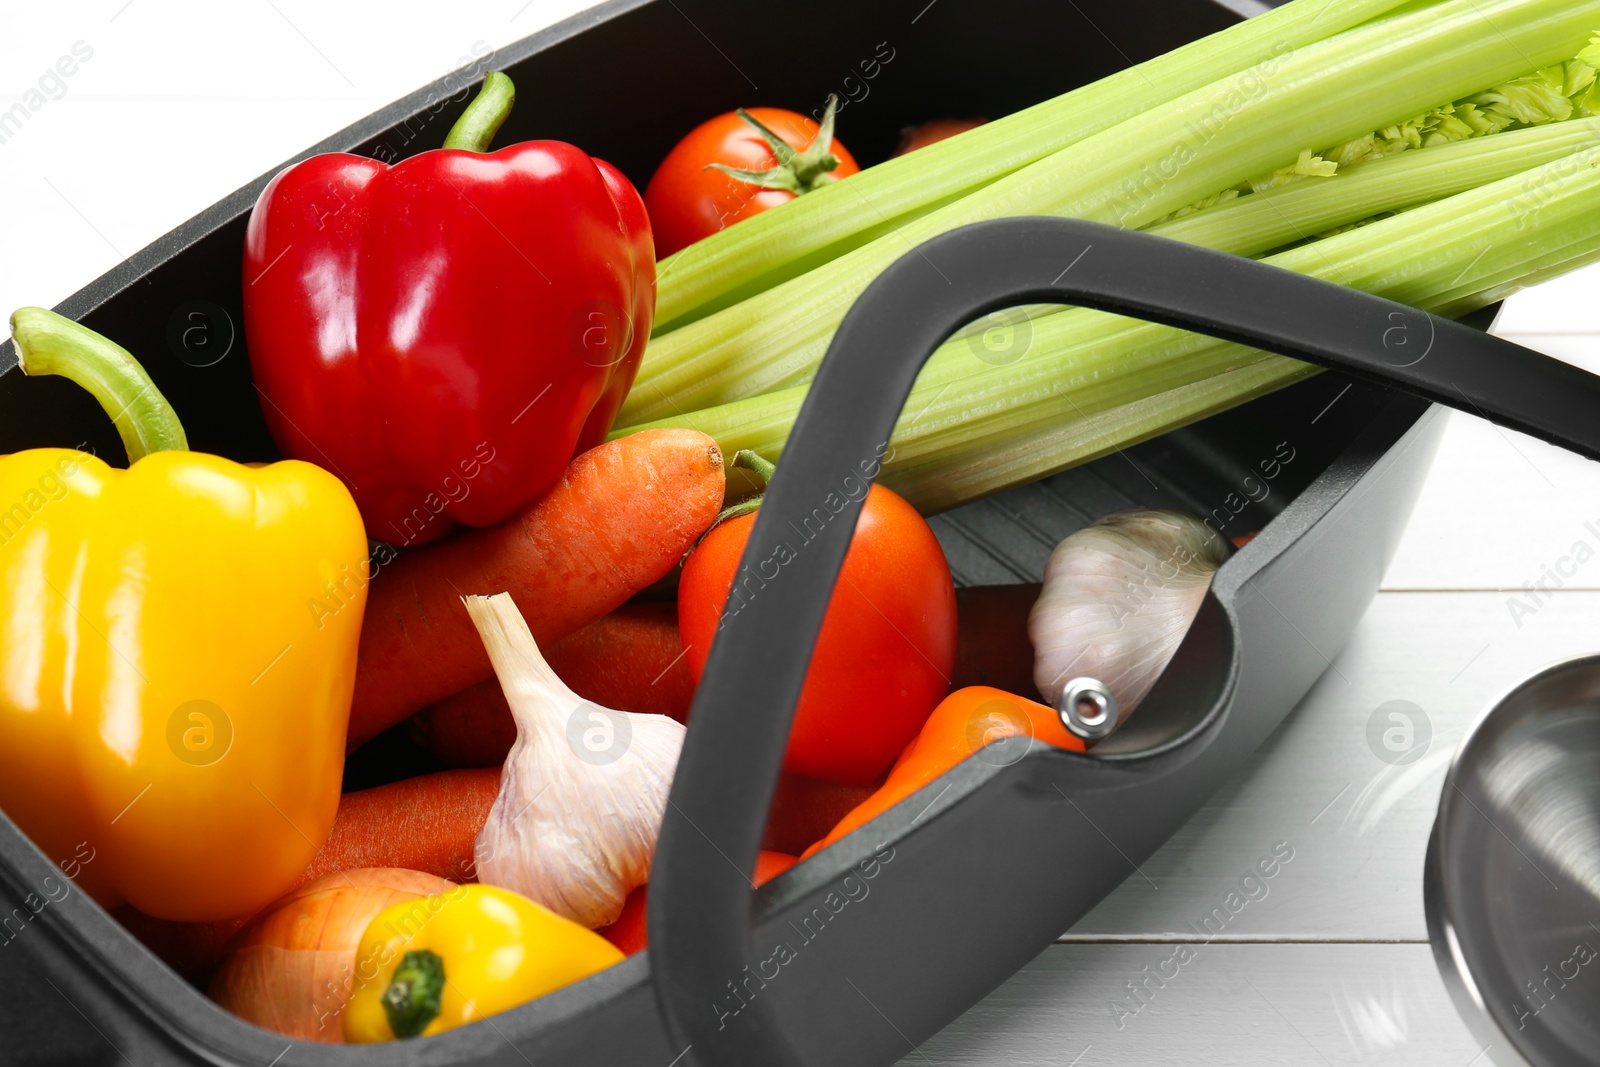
(688, 201)
(915, 137)
(628, 932)
(804, 810)
(884, 655)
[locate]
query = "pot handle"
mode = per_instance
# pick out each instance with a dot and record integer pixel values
(699, 917)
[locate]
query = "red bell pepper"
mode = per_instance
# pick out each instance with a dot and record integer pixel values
(446, 333)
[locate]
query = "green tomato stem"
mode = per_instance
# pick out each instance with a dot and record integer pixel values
(762, 468)
(1347, 86)
(774, 246)
(747, 460)
(48, 343)
(1091, 383)
(796, 172)
(481, 121)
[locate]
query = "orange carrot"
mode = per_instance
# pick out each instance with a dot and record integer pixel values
(424, 824)
(630, 660)
(622, 515)
(960, 726)
(628, 933)
(992, 645)
(474, 728)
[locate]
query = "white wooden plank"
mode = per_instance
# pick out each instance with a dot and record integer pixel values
(1578, 349)
(1565, 305)
(88, 181)
(1227, 1006)
(1356, 824)
(1489, 518)
(1498, 510)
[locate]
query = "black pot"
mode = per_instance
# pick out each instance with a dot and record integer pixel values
(946, 896)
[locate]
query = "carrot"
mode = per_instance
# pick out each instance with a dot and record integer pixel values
(960, 726)
(630, 660)
(427, 824)
(619, 519)
(474, 728)
(992, 645)
(628, 933)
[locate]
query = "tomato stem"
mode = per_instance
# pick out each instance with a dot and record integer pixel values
(48, 343)
(756, 464)
(796, 172)
(481, 121)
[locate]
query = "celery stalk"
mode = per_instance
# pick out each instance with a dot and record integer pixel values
(1039, 453)
(777, 245)
(1260, 222)
(1454, 254)
(1138, 171)
(1563, 234)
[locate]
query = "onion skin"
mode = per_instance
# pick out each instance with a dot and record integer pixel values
(293, 968)
(1118, 598)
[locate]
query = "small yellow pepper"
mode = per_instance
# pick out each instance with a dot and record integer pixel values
(444, 961)
(172, 712)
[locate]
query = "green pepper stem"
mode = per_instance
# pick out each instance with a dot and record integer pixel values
(478, 124)
(47, 343)
(412, 1000)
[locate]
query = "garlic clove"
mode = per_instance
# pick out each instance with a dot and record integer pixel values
(584, 787)
(1118, 598)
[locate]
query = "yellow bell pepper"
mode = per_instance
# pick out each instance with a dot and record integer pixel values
(444, 961)
(172, 710)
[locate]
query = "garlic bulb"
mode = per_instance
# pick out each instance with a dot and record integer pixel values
(1118, 598)
(584, 787)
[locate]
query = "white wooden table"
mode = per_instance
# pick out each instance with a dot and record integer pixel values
(1329, 962)
(1331, 965)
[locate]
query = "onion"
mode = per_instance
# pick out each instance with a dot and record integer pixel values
(293, 968)
(1118, 598)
